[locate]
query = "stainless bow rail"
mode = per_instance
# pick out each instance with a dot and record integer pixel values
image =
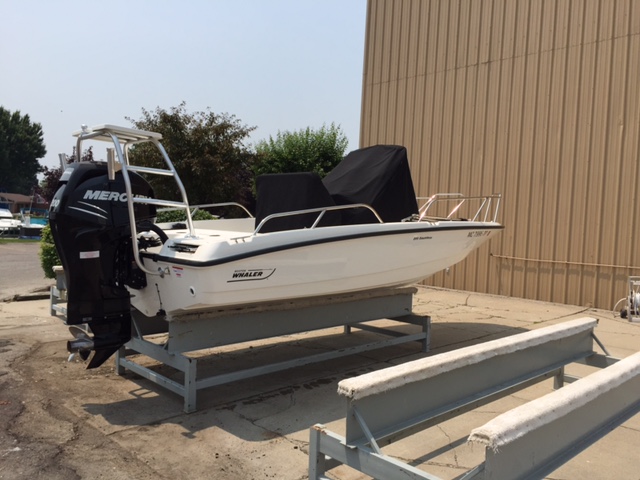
(486, 211)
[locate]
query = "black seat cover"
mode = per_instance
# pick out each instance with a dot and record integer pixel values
(286, 192)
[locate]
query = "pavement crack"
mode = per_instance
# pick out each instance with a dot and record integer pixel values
(567, 315)
(451, 445)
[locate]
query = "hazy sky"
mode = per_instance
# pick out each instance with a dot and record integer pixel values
(274, 64)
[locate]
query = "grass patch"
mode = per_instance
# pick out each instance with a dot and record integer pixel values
(4, 240)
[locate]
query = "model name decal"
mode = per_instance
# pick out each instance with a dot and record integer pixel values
(420, 237)
(251, 275)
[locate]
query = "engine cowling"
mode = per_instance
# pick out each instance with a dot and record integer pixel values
(89, 220)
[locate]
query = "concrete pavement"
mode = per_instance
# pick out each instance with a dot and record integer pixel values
(259, 428)
(20, 270)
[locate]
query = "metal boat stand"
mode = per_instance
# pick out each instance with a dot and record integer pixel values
(58, 294)
(529, 441)
(193, 332)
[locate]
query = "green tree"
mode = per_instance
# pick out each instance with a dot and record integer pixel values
(21, 146)
(207, 151)
(306, 150)
(49, 184)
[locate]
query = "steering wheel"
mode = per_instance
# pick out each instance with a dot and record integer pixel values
(147, 225)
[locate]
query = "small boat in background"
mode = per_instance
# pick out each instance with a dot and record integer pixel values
(8, 224)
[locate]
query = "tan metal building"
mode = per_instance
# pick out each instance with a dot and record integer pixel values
(536, 99)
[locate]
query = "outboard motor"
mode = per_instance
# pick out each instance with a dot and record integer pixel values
(89, 221)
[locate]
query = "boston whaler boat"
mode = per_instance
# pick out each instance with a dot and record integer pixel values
(358, 229)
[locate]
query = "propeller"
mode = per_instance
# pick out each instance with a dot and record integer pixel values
(82, 344)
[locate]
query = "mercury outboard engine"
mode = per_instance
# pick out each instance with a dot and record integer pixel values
(89, 221)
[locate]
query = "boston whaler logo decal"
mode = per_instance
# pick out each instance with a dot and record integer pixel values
(251, 275)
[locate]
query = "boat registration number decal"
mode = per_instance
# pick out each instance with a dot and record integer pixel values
(478, 233)
(250, 275)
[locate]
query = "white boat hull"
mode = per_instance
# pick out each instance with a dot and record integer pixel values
(226, 270)
(359, 228)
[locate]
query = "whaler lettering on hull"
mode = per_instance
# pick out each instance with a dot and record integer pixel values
(251, 275)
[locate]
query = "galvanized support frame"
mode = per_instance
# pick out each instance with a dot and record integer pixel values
(542, 450)
(443, 396)
(328, 450)
(58, 294)
(375, 420)
(200, 332)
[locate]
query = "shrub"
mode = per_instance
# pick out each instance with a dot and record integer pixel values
(168, 216)
(48, 253)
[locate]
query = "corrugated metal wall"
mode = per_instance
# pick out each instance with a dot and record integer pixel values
(538, 100)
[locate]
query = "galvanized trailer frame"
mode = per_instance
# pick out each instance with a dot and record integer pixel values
(192, 332)
(198, 331)
(434, 389)
(205, 331)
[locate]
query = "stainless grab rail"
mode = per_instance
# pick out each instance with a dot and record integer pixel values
(320, 210)
(212, 205)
